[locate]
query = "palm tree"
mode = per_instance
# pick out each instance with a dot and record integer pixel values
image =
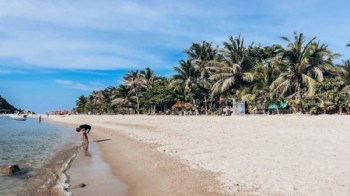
(148, 77)
(322, 58)
(97, 101)
(81, 104)
(233, 72)
(201, 56)
(302, 64)
(121, 97)
(259, 91)
(107, 99)
(185, 80)
(346, 67)
(135, 83)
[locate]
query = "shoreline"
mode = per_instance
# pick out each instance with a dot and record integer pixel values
(88, 168)
(81, 169)
(278, 155)
(158, 173)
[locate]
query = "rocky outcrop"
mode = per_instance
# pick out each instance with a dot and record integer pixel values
(5, 107)
(11, 169)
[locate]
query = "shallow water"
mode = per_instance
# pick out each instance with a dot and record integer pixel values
(40, 150)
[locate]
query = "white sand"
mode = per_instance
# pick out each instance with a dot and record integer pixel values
(254, 155)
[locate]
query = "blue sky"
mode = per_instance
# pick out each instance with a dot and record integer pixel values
(53, 51)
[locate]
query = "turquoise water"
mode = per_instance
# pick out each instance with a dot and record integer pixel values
(40, 150)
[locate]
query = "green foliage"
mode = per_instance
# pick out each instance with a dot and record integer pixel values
(328, 96)
(160, 94)
(301, 72)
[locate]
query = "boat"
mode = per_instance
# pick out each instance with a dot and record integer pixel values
(19, 117)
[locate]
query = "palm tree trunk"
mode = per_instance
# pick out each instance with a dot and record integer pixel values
(206, 105)
(138, 103)
(194, 104)
(264, 106)
(300, 105)
(211, 103)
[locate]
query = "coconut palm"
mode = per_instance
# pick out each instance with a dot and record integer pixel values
(97, 97)
(121, 97)
(257, 94)
(148, 77)
(303, 66)
(201, 56)
(97, 101)
(135, 83)
(233, 72)
(81, 104)
(107, 99)
(259, 91)
(185, 80)
(122, 91)
(346, 67)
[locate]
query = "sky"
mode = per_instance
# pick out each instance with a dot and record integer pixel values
(51, 52)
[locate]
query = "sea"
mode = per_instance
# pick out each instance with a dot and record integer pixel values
(43, 151)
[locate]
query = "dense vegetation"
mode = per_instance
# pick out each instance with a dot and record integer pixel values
(5, 107)
(302, 73)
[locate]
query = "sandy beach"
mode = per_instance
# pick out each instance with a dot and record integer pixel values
(215, 155)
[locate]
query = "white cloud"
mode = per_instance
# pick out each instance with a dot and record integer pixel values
(64, 82)
(132, 34)
(79, 86)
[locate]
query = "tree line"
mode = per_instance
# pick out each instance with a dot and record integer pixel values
(302, 74)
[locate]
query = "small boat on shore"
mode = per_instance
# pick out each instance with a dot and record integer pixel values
(19, 117)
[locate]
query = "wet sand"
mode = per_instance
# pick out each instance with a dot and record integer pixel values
(90, 169)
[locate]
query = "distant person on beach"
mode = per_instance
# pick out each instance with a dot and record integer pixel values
(85, 129)
(40, 119)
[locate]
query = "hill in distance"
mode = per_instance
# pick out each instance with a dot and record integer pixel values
(5, 107)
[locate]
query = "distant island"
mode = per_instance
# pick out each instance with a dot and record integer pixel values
(5, 107)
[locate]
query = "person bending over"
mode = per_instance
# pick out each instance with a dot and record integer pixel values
(85, 129)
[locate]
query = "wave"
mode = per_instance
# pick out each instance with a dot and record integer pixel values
(52, 179)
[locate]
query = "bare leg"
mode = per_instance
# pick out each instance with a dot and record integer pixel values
(85, 138)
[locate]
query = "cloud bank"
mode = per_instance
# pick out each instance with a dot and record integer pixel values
(127, 34)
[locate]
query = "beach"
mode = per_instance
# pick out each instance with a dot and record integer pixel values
(217, 155)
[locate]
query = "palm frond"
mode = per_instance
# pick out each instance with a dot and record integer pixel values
(310, 83)
(228, 82)
(316, 72)
(248, 77)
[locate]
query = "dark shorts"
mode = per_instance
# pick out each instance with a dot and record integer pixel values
(86, 131)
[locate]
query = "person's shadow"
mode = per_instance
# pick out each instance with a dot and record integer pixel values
(103, 140)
